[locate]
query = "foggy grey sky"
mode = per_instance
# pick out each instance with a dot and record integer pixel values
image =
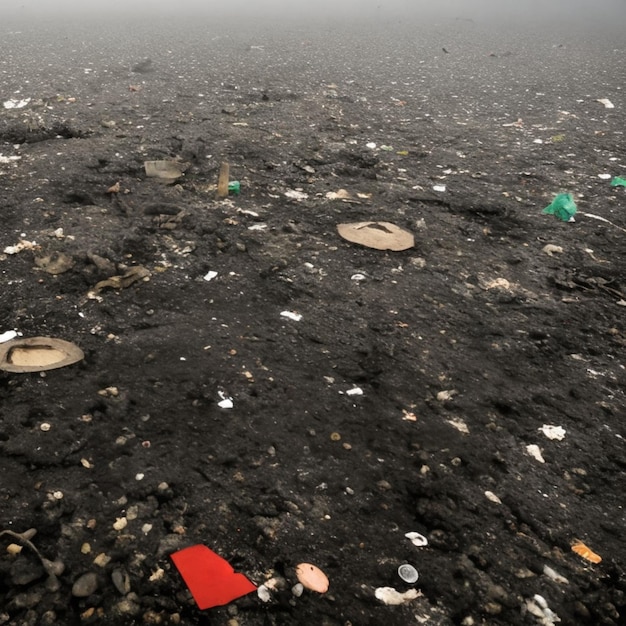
(477, 9)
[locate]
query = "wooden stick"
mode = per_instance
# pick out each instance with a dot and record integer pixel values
(222, 183)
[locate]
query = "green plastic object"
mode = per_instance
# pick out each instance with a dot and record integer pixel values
(562, 207)
(234, 186)
(618, 181)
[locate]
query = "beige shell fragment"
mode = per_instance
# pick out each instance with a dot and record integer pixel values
(312, 577)
(37, 354)
(378, 235)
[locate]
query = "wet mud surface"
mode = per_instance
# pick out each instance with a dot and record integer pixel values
(405, 397)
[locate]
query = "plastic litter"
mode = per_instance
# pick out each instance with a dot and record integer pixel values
(408, 573)
(534, 451)
(416, 539)
(538, 607)
(618, 181)
(377, 235)
(391, 597)
(8, 335)
(553, 432)
(234, 187)
(16, 104)
(604, 176)
(606, 102)
(291, 315)
(562, 207)
(312, 577)
(166, 171)
(211, 579)
(586, 553)
(294, 194)
(210, 275)
(38, 354)
(226, 402)
(440, 188)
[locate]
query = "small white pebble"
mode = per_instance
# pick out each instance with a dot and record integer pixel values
(45, 427)
(120, 523)
(140, 476)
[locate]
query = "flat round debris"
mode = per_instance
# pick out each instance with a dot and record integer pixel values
(378, 235)
(38, 354)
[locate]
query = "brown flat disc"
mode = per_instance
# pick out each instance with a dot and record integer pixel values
(378, 235)
(38, 354)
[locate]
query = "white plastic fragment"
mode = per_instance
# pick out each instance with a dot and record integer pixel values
(209, 276)
(416, 539)
(538, 607)
(16, 104)
(440, 188)
(264, 593)
(371, 145)
(226, 402)
(459, 424)
(554, 575)
(358, 277)
(389, 596)
(553, 432)
(550, 249)
(294, 194)
(291, 315)
(606, 102)
(8, 335)
(534, 451)
(355, 391)
(10, 159)
(490, 495)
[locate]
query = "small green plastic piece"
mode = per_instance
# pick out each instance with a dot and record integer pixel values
(618, 181)
(234, 186)
(562, 207)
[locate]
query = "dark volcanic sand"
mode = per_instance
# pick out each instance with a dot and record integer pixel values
(298, 470)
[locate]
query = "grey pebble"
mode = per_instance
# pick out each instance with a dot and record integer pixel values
(121, 580)
(24, 572)
(85, 585)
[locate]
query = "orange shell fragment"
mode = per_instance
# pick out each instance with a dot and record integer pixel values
(312, 577)
(582, 550)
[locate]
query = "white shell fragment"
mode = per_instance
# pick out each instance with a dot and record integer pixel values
(209, 276)
(264, 593)
(355, 391)
(388, 595)
(534, 451)
(7, 336)
(606, 102)
(226, 402)
(554, 575)
(408, 573)
(553, 432)
(416, 539)
(490, 495)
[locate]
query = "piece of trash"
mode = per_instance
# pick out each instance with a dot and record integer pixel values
(377, 235)
(340, 194)
(167, 171)
(459, 424)
(606, 102)
(447, 395)
(490, 495)
(538, 607)
(603, 219)
(234, 187)
(371, 145)
(16, 104)
(211, 579)
(551, 249)
(586, 553)
(534, 451)
(416, 539)
(604, 176)
(8, 335)
(408, 573)
(312, 577)
(55, 263)
(439, 188)
(387, 148)
(294, 194)
(355, 391)
(391, 597)
(264, 593)
(226, 402)
(10, 159)
(114, 188)
(358, 277)
(297, 590)
(134, 274)
(618, 181)
(555, 576)
(223, 179)
(553, 432)
(38, 354)
(22, 244)
(210, 275)
(291, 315)
(562, 207)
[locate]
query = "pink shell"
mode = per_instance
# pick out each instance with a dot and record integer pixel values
(312, 577)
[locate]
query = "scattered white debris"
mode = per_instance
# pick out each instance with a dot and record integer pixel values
(210, 276)
(388, 595)
(416, 539)
(604, 176)
(291, 315)
(534, 451)
(553, 432)
(258, 227)
(538, 607)
(490, 495)
(554, 575)
(10, 159)
(440, 188)
(21, 245)
(444, 396)
(294, 194)
(459, 424)
(606, 102)
(226, 402)
(537, 140)
(355, 391)
(16, 104)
